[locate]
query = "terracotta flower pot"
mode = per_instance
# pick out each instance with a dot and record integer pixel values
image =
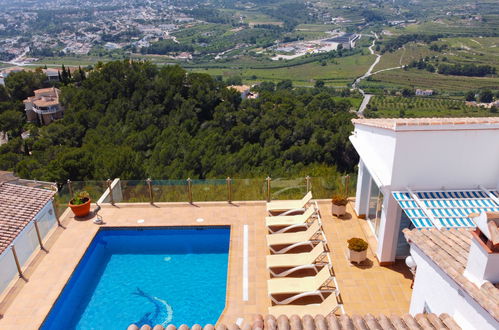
(81, 210)
(338, 210)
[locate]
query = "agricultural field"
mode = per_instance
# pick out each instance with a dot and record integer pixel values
(455, 26)
(443, 84)
(339, 73)
(403, 56)
(399, 106)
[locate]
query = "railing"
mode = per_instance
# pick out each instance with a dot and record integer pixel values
(206, 190)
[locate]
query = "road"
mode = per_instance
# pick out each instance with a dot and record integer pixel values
(369, 72)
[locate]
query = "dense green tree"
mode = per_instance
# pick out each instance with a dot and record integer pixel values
(319, 84)
(470, 96)
(135, 120)
(11, 121)
(486, 96)
(21, 84)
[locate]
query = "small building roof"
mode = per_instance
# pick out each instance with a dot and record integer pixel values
(449, 249)
(46, 90)
(331, 322)
(240, 88)
(397, 124)
(19, 205)
(46, 102)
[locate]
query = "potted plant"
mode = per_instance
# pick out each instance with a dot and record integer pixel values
(357, 249)
(80, 204)
(339, 205)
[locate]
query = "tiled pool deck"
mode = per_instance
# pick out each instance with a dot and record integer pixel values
(364, 289)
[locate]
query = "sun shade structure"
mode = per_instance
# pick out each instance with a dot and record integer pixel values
(446, 209)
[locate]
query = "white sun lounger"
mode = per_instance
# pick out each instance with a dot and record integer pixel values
(298, 286)
(327, 306)
(290, 221)
(313, 234)
(283, 206)
(316, 256)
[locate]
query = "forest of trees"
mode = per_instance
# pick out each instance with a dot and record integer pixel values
(135, 120)
(470, 70)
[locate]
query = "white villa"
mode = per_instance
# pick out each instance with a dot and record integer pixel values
(429, 190)
(44, 106)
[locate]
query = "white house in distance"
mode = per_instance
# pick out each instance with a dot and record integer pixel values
(424, 173)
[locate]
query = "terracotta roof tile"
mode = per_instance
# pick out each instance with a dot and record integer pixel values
(394, 123)
(18, 205)
(449, 249)
(330, 322)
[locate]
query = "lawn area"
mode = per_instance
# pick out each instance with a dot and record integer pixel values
(413, 78)
(398, 106)
(340, 73)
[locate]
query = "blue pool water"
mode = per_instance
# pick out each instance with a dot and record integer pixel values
(146, 276)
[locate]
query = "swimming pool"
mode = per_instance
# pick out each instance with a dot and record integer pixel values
(146, 276)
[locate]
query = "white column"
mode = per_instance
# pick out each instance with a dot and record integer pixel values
(389, 229)
(362, 194)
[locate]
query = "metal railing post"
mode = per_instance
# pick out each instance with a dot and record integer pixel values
(151, 195)
(56, 215)
(307, 179)
(18, 265)
(268, 179)
(110, 191)
(39, 236)
(189, 189)
(229, 190)
(347, 184)
(70, 189)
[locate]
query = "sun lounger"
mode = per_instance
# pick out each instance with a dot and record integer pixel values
(290, 222)
(327, 306)
(313, 233)
(283, 206)
(317, 255)
(296, 285)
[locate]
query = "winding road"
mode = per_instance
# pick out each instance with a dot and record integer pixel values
(355, 85)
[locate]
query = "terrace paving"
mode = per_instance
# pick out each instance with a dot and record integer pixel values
(365, 289)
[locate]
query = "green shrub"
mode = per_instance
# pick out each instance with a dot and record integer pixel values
(357, 244)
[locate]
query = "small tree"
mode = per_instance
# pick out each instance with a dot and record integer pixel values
(319, 84)
(486, 96)
(406, 92)
(470, 96)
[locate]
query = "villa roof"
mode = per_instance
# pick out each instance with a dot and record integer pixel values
(46, 102)
(426, 123)
(47, 90)
(331, 322)
(19, 205)
(448, 249)
(240, 88)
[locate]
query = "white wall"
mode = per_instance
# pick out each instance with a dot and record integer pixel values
(376, 148)
(430, 159)
(441, 294)
(453, 159)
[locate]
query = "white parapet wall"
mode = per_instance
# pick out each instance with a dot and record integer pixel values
(117, 193)
(26, 244)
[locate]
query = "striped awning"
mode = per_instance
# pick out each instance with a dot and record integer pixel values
(448, 209)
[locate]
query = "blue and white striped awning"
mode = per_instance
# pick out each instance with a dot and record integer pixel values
(449, 209)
